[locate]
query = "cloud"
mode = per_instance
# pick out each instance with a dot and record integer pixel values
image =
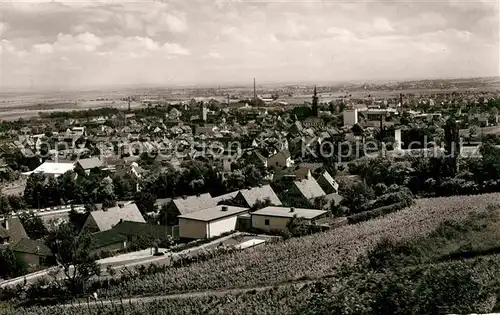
(167, 22)
(87, 42)
(4, 27)
(43, 49)
(382, 25)
(278, 39)
(213, 55)
(6, 46)
(131, 22)
(138, 46)
(176, 23)
(175, 49)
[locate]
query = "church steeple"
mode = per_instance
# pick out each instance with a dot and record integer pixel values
(315, 103)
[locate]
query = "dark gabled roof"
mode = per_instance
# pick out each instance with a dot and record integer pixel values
(106, 238)
(15, 231)
(252, 195)
(105, 220)
(309, 188)
(29, 246)
(90, 163)
(194, 203)
(225, 197)
(259, 156)
(286, 154)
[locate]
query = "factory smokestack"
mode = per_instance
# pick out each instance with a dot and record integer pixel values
(254, 92)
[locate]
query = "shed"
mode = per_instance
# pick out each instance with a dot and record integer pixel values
(32, 252)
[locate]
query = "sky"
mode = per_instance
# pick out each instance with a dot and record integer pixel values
(74, 43)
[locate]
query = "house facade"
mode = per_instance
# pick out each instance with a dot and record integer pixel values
(280, 160)
(33, 253)
(276, 218)
(210, 222)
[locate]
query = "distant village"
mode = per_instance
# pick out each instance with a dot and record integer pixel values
(171, 173)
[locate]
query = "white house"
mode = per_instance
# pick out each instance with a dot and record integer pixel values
(210, 222)
(276, 218)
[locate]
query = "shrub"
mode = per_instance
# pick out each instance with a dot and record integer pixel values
(372, 214)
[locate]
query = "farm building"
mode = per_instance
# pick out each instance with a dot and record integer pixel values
(209, 222)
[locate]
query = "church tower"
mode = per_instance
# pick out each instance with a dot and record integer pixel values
(315, 103)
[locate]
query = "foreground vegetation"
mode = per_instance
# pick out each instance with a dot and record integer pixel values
(446, 268)
(329, 254)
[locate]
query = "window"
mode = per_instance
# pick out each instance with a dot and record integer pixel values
(266, 222)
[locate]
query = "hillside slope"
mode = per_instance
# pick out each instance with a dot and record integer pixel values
(313, 256)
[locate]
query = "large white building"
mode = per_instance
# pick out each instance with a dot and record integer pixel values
(210, 222)
(53, 168)
(350, 117)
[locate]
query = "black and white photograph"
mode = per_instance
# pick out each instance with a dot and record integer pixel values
(288, 157)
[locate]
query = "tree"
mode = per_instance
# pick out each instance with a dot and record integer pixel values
(167, 217)
(355, 196)
(77, 219)
(9, 265)
(33, 224)
(145, 201)
(5, 207)
(72, 253)
(452, 144)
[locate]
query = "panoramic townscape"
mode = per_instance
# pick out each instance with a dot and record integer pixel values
(326, 195)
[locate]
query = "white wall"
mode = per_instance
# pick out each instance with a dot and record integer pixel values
(350, 117)
(275, 223)
(199, 229)
(218, 227)
(397, 139)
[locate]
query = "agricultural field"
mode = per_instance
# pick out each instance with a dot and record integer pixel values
(311, 257)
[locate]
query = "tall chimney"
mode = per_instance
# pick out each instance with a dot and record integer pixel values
(254, 91)
(6, 223)
(129, 103)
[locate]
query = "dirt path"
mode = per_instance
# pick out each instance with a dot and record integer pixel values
(186, 295)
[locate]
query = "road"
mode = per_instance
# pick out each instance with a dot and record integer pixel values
(117, 264)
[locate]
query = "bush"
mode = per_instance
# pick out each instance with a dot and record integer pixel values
(402, 196)
(372, 214)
